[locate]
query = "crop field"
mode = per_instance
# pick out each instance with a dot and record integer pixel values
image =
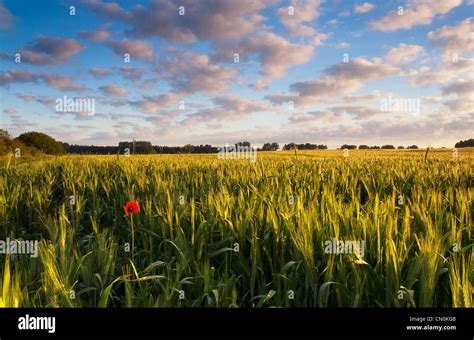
(231, 233)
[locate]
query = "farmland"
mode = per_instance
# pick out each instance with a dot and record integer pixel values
(231, 233)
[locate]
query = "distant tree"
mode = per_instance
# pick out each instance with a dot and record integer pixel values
(412, 147)
(305, 146)
(274, 146)
(350, 147)
(188, 148)
(242, 144)
(363, 147)
(137, 147)
(91, 149)
(388, 146)
(464, 143)
(5, 135)
(42, 142)
(401, 147)
(375, 147)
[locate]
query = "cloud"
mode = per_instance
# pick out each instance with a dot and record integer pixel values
(344, 13)
(239, 105)
(459, 88)
(343, 45)
(189, 72)
(11, 77)
(10, 110)
(25, 96)
(19, 123)
(228, 107)
(360, 69)
(403, 54)
(223, 23)
(94, 35)
(364, 8)
(29, 97)
(131, 73)
(98, 72)
(6, 18)
(449, 70)
(213, 20)
(303, 13)
(359, 112)
(277, 54)
(110, 10)
(362, 98)
(136, 48)
(49, 50)
(303, 119)
(45, 100)
(113, 90)
(454, 39)
(463, 101)
(416, 12)
(431, 78)
(153, 104)
(260, 84)
(61, 83)
(335, 114)
(164, 119)
(340, 79)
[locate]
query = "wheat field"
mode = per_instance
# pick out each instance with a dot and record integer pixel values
(230, 233)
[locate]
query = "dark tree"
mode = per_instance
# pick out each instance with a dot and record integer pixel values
(290, 146)
(464, 143)
(363, 147)
(414, 147)
(306, 146)
(350, 147)
(388, 146)
(242, 144)
(5, 135)
(42, 142)
(401, 147)
(274, 146)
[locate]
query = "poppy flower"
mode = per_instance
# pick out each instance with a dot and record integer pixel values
(131, 208)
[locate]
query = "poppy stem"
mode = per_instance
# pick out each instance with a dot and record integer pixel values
(133, 238)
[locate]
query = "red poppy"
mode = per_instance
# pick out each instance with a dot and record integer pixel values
(131, 208)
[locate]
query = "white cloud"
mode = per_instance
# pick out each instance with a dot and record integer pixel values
(403, 54)
(416, 12)
(364, 8)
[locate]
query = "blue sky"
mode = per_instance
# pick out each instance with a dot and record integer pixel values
(308, 71)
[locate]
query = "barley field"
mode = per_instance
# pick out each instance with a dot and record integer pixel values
(230, 233)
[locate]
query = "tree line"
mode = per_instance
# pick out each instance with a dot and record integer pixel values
(465, 143)
(37, 142)
(387, 146)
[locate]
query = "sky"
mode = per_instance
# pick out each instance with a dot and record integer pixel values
(222, 71)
